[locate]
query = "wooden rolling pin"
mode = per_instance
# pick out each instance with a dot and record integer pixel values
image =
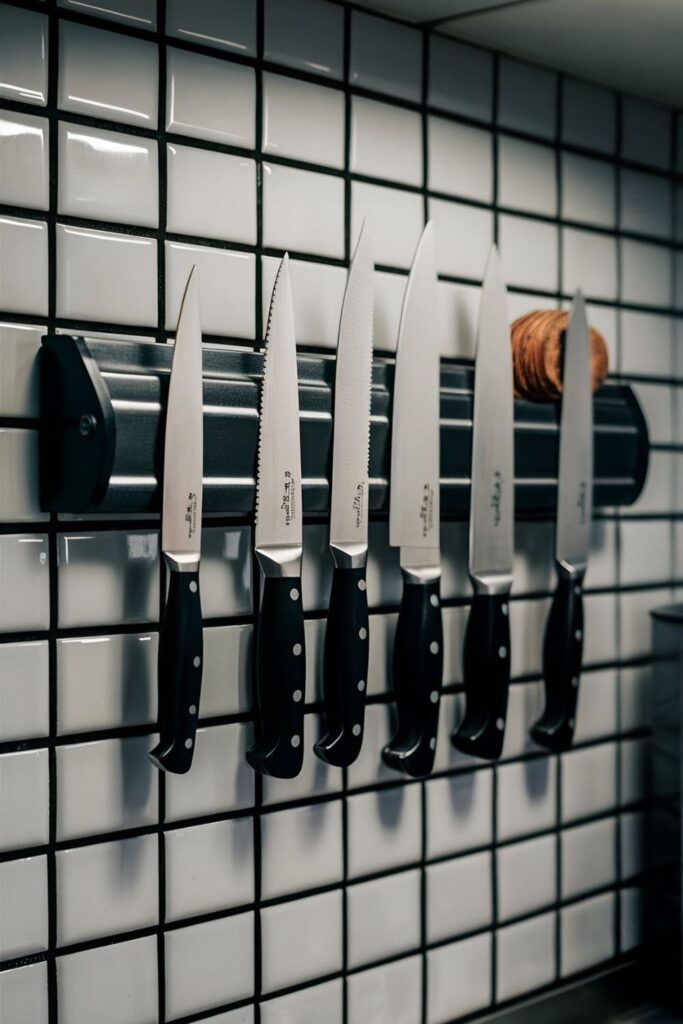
(537, 340)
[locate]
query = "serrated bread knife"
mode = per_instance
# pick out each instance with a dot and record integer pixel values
(563, 646)
(180, 640)
(280, 656)
(486, 657)
(346, 632)
(414, 519)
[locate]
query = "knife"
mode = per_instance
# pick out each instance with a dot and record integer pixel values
(414, 519)
(346, 636)
(563, 645)
(486, 655)
(180, 640)
(280, 657)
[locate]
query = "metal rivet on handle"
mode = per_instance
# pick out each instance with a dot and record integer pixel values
(193, 586)
(188, 743)
(432, 743)
(500, 724)
(295, 741)
(578, 634)
(434, 601)
(434, 647)
(575, 681)
(294, 594)
(434, 696)
(361, 685)
(362, 632)
(571, 723)
(196, 661)
(504, 609)
(502, 652)
(296, 696)
(362, 584)
(356, 729)
(296, 649)
(193, 709)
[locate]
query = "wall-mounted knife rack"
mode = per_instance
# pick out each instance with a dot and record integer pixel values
(102, 406)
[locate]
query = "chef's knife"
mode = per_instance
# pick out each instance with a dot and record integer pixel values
(180, 641)
(563, 645)
(346, 635)
(280, 657)
(486, 659)
(414, 519)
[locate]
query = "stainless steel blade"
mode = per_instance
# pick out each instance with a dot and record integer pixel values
(279, 530)
(353, 381)
(492, 507)
(575, 478)
(181, 518)
(415, 434)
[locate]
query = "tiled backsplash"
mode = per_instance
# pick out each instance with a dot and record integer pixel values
(138, 140)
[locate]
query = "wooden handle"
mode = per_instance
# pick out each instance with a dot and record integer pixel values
(537, 349)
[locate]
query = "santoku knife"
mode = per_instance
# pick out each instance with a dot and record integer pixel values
(414, 519)
(486, 657)
(180, 641)
(563, 645)
(280, 656)
(346, 635)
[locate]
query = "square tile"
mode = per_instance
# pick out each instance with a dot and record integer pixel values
(24, 798)
(391, 992)
(459, 307)
(589, 262)
(527, 98)
(526, 702)
(307, 1006)
(646, 203)
(526, 877)
(23, 898)
(24, 582)
(220, 780)
(380, 725)
(527, 176)
(646, 132)
(226, 287)
(225, 576)
(19, 500)
(587, 934)
(19, 376)
(23, 266)
(209, 867)
(301, 848)
(139, 13)
(317, 568)
(96, 87)
(120, 979)
(459, 896)
(23, 992)
(464, 236)
(23, 55)
(229, 26)
(528, 250)
(315, 778)
(458, 979)
(303, 121)
(589, 115)
(460, 78)
(226, 679)
(596, 714)
(459, 812)
(210, 98)
(527, 797)
(588, 190)
(24, 696)
(395, 220)
(646, 553)
(209, 964)
(303, 211)
(588, 857)
(383, 917)
(383, 829)
(589, 781)
(301, 940)
(378, 132)
(305, 34)
(646, 273)
(317, 295)
(636, 632)
(385, 56)
(525, 956)
(460, 159)
(24, 172)
(635, 689)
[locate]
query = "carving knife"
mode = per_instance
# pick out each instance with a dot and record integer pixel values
(563, 645)
(280, 656)
(486, 657)
(346, 635)
(180, 640)
(414, 519)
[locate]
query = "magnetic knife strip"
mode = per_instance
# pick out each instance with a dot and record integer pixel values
(102, 406)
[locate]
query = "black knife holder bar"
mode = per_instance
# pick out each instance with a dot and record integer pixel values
(102, 427)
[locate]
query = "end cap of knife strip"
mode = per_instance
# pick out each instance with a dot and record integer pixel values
(537, 340)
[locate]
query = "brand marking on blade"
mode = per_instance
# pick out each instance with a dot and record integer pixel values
(288, 504)
(359, 503)
(497, 496)
(191, 514)
(427, 509)
(582, 502)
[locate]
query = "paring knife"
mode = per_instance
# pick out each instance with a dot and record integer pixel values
(180, 641)
(346, 636)
(414, 519)
(486, 657)
(280, 656)
(563, 645)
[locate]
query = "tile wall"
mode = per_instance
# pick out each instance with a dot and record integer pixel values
(138, 138)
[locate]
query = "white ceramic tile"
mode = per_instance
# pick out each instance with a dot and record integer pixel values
(23, 898)
(632, 914)
(464, 236)
(528, 249)
(383, 572)
(391, 992)
(459, 307)
(526, 702)
(119, 979)
(209, 964)
(24, 698)
(121, 790)
(604, 319)
(395, 220)
(209, 867)
(317, 568)
(106, 276)
(527, 624)
(317, 295)
(588, 190)
(526, 876)
(24, 170)
(23, 55)
(107, 888)
(385, 56)
(533, 558)
(646, 550)
(380, 725)
(210, 98)
(383, 829)
(139, 13)
(647, 273)
(635, 687)
(97, 87)
(458, 979)
(220, 780)
(23, 265)
(636, 631)
(658, 490)
(108, 576)
(389, 289)
(588, 857)
(19, 499)
(460, 159)
(19, 376)
(378, 132)
(526, 176)
(301, 940)
(633, 771)
(589, 262)
(596, 714)
(459, 812)
(24, 582)
(314, 645)
(228, 26)
(527, 98)
(301, 848)
(315, 778)
(645, 132)
(383, 917)
(589, 780)
(23, 993)
(450, 716)
(460, 78)
(525, 956)
(454, 625)
(588, 115)
(226, 679)
(226, 287)
(600, 628)
(587, 934)
(305, 34)
(303, 211)
(527, 799)
(459, 896)
(307, 1006)
(303, 120)
(225, 574)
(107, 175)
(24, 799)
(646, 203)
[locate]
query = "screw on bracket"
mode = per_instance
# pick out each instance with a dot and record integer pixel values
(87, 425)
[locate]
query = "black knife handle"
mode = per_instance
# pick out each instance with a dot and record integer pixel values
(418, 670)
(562, 653)
(179, 673)
(345, 668)
(486, 673)
(280, 680)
